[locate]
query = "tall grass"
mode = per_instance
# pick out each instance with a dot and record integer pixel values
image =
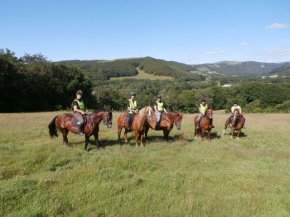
(185, 177)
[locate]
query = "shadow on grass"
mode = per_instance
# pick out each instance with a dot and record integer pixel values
(242, 134)
(175, 138)
(92, 143)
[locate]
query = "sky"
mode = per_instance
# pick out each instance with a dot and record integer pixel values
(187, 31)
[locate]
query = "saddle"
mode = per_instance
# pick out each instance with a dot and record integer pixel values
(75, 121)
(129, 120)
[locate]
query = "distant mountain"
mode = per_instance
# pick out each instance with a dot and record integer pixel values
(104, 69)
(249, 68)
(280, 72)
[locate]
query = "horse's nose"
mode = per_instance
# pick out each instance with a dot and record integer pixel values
(109, 125)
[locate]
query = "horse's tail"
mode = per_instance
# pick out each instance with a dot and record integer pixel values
(52, 128)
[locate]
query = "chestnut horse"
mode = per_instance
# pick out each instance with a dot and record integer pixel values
(237, 123)
(166, 124)
(138, 124)
(205, 124)
(65, 123)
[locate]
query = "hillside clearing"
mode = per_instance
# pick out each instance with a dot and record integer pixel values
(143, 75)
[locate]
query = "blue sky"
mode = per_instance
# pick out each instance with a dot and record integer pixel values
(188, 31)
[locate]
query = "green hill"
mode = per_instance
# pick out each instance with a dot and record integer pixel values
(282, 71)
(104, 70)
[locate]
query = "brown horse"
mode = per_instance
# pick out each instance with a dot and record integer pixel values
(138, 124)
(65, 123)
(205, 124)
(166, 124)
(237, 123)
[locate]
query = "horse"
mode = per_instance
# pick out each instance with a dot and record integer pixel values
(205, 124)
(138, 124)
(65, 123)
(166, 124)
(237, 123)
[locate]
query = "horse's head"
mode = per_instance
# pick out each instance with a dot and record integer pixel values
(177, 118)
(236, 114)
(107, 118)
(150, 116)
(209, 113)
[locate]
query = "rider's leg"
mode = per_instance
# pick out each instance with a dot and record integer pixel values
(129, 122)
(198, 121)
(231, 120)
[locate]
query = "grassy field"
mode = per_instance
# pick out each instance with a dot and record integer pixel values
(222, 177)
(143, 75)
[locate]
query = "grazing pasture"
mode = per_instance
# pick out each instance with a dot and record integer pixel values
(184, 177)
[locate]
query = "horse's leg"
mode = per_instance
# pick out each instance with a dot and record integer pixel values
(146, 131)
(224, 131)
(119, 135)
(165, 135)
(136, 138)
(64, 136)
(126, 136)
(86, 142)
(208, 134)
(196, 133)
(96, 135)
(238, 133)
(201, 134)
(141, 137)
(232, 132)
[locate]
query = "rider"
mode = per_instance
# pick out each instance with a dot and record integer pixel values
(159, 109)
(132, 110)
(79, 110)
(202, 109)
(234, 107)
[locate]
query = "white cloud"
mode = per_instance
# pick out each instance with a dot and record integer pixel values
(277, 26)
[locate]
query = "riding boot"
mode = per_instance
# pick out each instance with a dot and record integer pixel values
(81, 130)
(197, 124)
(129, 122)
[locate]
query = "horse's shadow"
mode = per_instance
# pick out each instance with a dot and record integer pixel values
(242, 134)
(155, 138)
(213, 135)
(92, 144)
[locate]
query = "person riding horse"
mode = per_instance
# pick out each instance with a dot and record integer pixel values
(159, 109)
(79, 111)
(234, 107)
(202, 109)
(132, 110)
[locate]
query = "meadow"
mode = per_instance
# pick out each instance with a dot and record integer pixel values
(184, 177)
(143, 75)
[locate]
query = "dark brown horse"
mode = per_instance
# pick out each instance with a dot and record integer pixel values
(138, 124)
(237, 124)
(205, 124)
(166, 124)
(65, 123)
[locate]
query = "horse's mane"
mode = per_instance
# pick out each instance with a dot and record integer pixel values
(143, 110)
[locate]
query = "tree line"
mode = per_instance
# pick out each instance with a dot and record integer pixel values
(32, 83)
